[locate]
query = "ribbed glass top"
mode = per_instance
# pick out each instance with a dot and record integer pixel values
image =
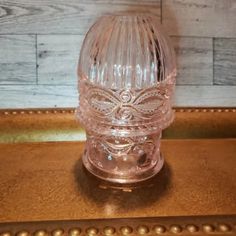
(126, 51)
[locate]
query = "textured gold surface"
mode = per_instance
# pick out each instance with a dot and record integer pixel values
(44, 183)
(159, 229)
(57, 232)
(143, 229)
(192, 228)
(175, 229)
(198, 179)
(126, 230)
(153, 226)
(5, 233)
(74, 232)
(60, 125)
(22, 233)
(109, 230)
(92, 231)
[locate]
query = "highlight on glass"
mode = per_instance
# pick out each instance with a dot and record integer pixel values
(127, 75)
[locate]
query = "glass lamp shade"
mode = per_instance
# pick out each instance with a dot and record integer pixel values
(126, 80)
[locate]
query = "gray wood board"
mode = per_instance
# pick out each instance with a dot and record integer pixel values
(206, 96)
(208, 18)
(225, 61)
(57, 17)
(37, 96)
(66, 96)
(57, 58)
(17, 59)
(194, 57)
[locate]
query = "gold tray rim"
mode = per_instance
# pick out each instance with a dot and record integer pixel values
(180, 225)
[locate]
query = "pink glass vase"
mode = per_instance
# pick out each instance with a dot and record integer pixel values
(126, 80)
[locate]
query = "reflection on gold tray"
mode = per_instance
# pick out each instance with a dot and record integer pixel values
(45, 190)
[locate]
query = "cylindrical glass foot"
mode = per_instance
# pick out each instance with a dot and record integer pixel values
(123, 159)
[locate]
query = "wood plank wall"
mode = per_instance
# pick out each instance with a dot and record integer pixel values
(40, 43)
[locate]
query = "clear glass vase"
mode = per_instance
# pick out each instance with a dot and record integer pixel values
(126, 80)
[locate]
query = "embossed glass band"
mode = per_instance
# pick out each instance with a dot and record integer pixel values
(126, 111)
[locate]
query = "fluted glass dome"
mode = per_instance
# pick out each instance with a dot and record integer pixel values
(126, 51)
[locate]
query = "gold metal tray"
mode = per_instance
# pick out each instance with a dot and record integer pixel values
(44, 190)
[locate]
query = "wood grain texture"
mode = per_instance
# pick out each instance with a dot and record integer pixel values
(225, 61)
(194, 60)
(205, 96)
(17, 59)
(56, 17)
(57, 58)
(127, 2)
(66, 96)
(38, 96)
(60, 26)
(213, 18)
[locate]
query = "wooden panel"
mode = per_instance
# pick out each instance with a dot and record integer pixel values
(206, 96)
(200, 17)
(57, 58)
(225, 61)
(71, 16)
(61, 24)
(38, 96)
(194, 60)
(66, 96)
(17, 59)
(127, 2)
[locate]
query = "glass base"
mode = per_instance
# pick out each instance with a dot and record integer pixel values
(118, 177)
